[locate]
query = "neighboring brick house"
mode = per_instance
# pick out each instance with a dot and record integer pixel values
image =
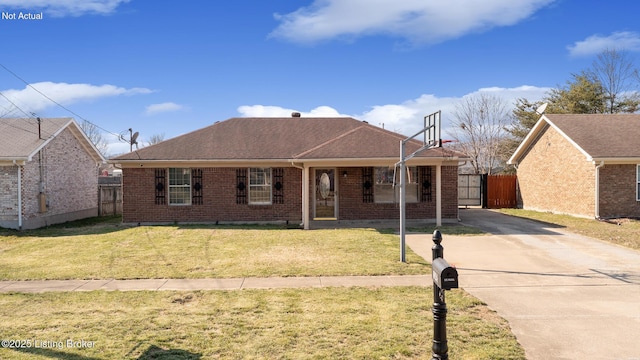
(586, 165)
(295, 170)
(48, 172)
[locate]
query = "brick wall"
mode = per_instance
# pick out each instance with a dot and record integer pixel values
(219, 199)
(352, 207)
(8, 193)
(70, 179)
(618, 191)
(555, 176)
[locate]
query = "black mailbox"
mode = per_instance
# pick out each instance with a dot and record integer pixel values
(444, 276)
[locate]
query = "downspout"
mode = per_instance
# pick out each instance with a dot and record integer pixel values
(19, 195)
(597, 204)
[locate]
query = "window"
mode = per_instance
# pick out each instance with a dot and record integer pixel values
(259, 186)
(638, 182)
(384, 191)
(179, 186)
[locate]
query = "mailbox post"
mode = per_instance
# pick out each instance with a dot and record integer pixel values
(445, 277)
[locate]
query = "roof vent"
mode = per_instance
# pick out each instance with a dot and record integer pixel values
(295, 114)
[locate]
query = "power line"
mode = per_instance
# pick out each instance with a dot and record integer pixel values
(14, 104)
(55, 102)
(29, 116)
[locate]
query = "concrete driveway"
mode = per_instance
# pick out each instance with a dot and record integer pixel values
(565, 296)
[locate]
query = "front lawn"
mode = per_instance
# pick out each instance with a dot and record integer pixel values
(110, 250)
(328, 323)
(309, 323)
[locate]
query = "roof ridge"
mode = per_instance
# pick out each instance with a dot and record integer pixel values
(327, 142)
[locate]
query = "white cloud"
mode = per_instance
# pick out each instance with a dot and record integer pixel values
(163, 107)
(62, 8)
(29, 100)
(264, 111)
(407, 117)
(419, 21)
(277, 111)
(595, 44)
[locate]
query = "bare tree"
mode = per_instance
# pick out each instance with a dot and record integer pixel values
(155, 138)
(617, 74)
(478, 127)
(95, 136)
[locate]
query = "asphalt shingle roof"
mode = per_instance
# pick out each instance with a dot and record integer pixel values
(282, 138)
(599, 136)
(19, 136)
(602, 135)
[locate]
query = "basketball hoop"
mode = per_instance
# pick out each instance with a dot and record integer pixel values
(432, 139)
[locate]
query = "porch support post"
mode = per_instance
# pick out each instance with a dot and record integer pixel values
(403, 203)
(439, 195)
(305, 197)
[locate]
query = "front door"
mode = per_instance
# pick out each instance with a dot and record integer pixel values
(325, 195)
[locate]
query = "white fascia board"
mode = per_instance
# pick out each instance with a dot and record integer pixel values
(570, 140)
(535, 130)
(535, 133)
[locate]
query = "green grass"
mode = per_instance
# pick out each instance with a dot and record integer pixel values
(625, 232)
(335, 323)
(329, 323)
(109, 250)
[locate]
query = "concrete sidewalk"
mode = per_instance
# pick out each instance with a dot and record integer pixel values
(37, 286)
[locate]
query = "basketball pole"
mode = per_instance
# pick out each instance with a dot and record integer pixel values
(432, 139)
(403, 212)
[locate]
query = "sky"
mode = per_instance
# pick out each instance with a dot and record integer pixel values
(165, 68)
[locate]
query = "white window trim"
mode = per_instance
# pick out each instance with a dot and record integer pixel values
(179, 186)
(270, 201)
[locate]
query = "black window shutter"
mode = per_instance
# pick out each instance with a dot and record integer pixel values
(241, 186)
(278, 184)
(367, 185)
(160, 186)
(425, 175)
(196, 186)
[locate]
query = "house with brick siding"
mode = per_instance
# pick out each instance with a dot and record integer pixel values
(303, 171)
(586, 165)
(48, 172)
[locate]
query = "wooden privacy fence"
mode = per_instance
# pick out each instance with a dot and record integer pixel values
(501, 191)
(109, 200)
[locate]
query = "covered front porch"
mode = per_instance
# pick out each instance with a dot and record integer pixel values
(364, 194)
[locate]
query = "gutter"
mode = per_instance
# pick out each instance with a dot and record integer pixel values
(296, 166)
(597, 192)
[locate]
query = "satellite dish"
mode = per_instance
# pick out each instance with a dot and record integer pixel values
(540, 110)
(134, 138)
